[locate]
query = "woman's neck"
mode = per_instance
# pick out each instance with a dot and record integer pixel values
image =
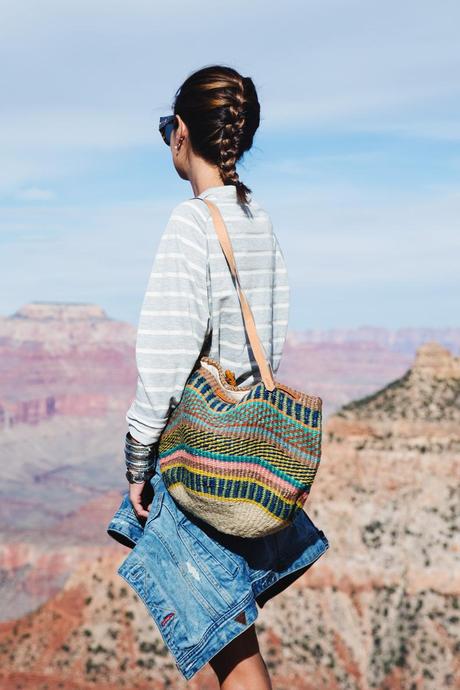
(203, 175)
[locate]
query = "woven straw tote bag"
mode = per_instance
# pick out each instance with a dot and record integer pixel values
(240, 458)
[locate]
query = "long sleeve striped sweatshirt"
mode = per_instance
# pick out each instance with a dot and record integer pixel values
(191, 306)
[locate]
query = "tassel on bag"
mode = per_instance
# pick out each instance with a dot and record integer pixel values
(240, 458)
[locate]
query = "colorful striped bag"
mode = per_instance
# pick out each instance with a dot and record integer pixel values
(240, 458)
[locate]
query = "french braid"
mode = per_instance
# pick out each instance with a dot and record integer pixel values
(230, 141)
(221, 110)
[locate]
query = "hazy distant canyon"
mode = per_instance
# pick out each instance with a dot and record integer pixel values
(379, 610)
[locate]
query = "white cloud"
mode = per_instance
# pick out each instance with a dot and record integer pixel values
(344, 239)
(444, 130)
(35, 194)
(309, 165)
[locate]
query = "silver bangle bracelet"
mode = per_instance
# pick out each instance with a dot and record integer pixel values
(140, 462)
(140, 459)
(143, 468)
(139, 453)
(140, 467)
(135, 477)
(131, 441)
(138, 450)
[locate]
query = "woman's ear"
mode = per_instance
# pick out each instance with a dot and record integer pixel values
(181, 131)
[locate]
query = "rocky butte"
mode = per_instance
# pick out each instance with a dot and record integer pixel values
(63, 359)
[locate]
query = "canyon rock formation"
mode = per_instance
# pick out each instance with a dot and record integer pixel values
(380, 610)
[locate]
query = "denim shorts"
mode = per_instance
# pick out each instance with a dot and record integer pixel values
(202, 587)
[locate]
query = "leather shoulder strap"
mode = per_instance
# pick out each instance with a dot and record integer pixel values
(264, 365)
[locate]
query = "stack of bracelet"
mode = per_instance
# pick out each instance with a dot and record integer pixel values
(140, 460)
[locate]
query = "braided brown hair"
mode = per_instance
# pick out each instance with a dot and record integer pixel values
(222, 112)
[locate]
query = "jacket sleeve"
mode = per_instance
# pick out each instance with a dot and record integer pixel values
(173, 323)
(281, 297)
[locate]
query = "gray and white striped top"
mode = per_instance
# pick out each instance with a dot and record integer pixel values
(191, 304)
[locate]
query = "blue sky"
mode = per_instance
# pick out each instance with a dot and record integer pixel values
(357, 158)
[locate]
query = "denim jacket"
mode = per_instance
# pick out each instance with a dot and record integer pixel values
(200, 586)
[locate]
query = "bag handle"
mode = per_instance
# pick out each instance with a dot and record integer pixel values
(264, 365)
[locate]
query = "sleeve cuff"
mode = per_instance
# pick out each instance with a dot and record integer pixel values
(146, 437)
